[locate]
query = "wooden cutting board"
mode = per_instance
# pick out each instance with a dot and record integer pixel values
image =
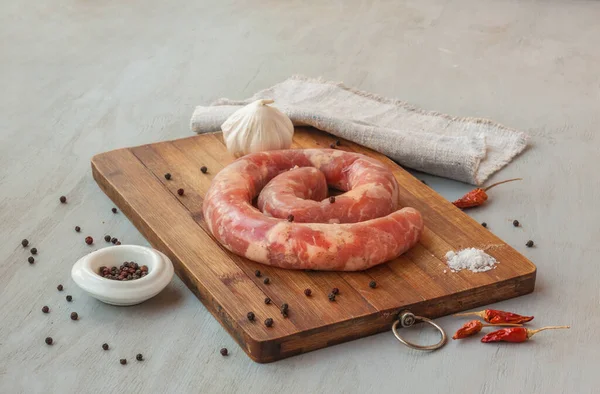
(226, 284)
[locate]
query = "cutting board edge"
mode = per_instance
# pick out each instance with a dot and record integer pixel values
(382, 321)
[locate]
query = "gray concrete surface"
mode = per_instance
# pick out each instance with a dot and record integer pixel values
(81, 77)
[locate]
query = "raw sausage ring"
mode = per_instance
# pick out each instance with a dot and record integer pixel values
(370, 232)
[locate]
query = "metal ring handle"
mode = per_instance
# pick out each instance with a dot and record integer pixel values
(407, 319)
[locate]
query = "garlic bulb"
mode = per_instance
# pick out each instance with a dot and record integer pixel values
(257, 127)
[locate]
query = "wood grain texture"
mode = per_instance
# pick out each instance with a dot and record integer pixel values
(418, 281)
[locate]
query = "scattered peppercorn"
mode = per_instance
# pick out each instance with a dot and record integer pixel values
(89, 240)
(107, 238)
(250, 316)
(285, 307)
(113, 240)
(331, 297)
(123, 361)
(307, 292)
(77, 228)
(45, 309)
(484, 224)
(63, 199)
(105, 346)
(268, 322)
(332, 199)
(31, 260)
(114, 210)
(180, 192)
(338, 142)
(49, 341)
(168, 176)
(335, 291)
(33, 250)
(69, 298)
(25, 242)
(59, 287)
(266, 281)
(332, 146)
(74, 316)
(118, 243)
(267, 300)
(139, 357)
(529, 244)
(257, 273)
(290, 218)
(203, 169)
(516, 223)
(224, 351)
(372, 284)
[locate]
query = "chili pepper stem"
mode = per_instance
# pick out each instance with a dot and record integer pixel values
(499, 183)
(531, 333)
(480, 314)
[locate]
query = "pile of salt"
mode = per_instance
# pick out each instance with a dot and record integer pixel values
(473, 259)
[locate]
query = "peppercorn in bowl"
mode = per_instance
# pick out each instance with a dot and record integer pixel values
(123, 275)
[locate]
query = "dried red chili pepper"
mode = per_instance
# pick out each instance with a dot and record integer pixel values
(515, 334)
(497, 317)
(478, 196)
(473, 327)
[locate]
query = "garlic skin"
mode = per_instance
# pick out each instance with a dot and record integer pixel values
(257, 127)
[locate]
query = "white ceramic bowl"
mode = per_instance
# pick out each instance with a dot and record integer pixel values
(122, 293)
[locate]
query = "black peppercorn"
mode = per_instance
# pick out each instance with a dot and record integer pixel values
(45, 309)
(74, 316)
(285, 307)
(63, 199)
(105, 346)
(203, 169)
(107, 238)
(118, 243)
(180, 192)
(250, 316)
(331, 297)
(69, 298)
(113, 240)
(335, 291)
(267, 300)
(114, 210)
(139, 357)
(167, 176)
(123, 361)
(516, 223)
(266, 281)
(332, 199)
(290, 218)
(372, 284)
(33, 251)
(89, 240)
(224, 351)
(484, 224)
(25, 242)
(529, 244)
(257, 273)
(268, 322)
(77, 228)
(49, 341)
(332, 146)
(59, 287)
(31, 260)
(307, 292)
(338, 142)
